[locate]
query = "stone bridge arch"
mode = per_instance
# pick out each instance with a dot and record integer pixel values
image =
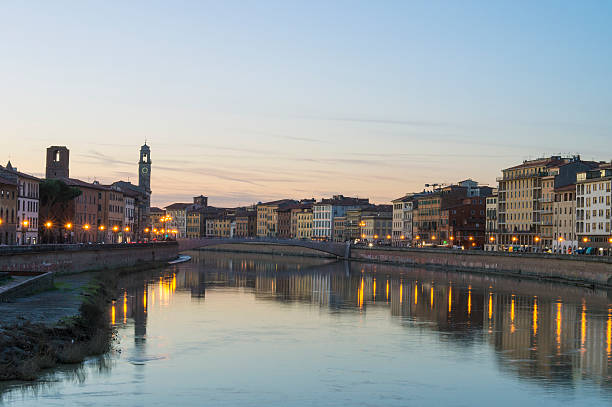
(340, 250)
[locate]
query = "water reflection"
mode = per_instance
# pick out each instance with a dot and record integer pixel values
(559, 335)
(551, 335)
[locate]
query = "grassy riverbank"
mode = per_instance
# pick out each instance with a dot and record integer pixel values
(27, 348)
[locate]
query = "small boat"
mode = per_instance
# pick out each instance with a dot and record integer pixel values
(180, 259)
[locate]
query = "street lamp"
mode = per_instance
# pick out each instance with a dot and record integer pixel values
(24, 229)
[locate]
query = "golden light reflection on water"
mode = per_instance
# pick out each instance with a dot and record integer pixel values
(374, 290)
(535, 316)
(402, 294)
(360, 294)
(512, 326)
(113, 313)
(387, 291)
(490, 306)
(125, 307)
(450, 299)
(583, 325)
(431, 295)
(470, 301)
(558, 321)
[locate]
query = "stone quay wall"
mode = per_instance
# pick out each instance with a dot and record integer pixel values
(32, 285)
(592, 270)
(78, 258)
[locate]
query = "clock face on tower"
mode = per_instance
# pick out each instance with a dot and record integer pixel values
(144, 170)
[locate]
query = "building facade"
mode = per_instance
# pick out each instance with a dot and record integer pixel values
(564, 220)
(402, 219)
(525, 197)
(325, 211)
(593, 209)
(491, 237)
(304, 224)
(268, 218)
(8, 210)
(28, 202)
(377, 228)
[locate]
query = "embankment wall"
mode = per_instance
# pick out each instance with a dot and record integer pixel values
(75, 258)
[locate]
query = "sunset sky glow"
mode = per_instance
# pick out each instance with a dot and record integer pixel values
(248, 101)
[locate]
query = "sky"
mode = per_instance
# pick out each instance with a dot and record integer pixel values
(247, 101)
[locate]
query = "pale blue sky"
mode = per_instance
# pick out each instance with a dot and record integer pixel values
(255, 100)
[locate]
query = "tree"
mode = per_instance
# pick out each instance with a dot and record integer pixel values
(55, 196)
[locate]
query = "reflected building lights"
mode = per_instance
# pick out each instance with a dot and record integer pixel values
(583, 326)
(374, 290)
(113, 313)
(387, 291)
(535, 316)
(450, 299)
(512, 327)
(125, 307)
(558, 321)
(490, 306)
(470, 301)
(431, 297)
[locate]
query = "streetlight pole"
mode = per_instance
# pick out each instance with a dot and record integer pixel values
(24, 230)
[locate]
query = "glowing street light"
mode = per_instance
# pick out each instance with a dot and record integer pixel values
(48, 224)
(471, 238)
(402, 237)
(127, 229)
(86, 226)
(115, 228)
(146, 230)
(101, 227)
(25, 223)
(388, 237)
(537, 239)
(492, 238)
(1, 221)
(514, 238)
(68, 225)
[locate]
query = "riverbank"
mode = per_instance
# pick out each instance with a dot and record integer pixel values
(60, 326)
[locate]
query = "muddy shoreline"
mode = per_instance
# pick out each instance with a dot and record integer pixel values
(29, 346)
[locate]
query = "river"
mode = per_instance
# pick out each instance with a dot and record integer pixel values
(231, 329)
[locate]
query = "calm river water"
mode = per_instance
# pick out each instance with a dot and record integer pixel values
(255, 330)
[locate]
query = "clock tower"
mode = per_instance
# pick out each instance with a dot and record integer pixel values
(144, 169)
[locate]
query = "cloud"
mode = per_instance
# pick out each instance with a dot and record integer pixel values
(415, 123)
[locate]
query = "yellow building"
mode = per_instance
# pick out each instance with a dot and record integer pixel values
(564, 220)
(267, 217)
(525, 200)
(304, 224)
(195, 227)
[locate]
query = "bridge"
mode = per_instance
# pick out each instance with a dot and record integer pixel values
(339, 250)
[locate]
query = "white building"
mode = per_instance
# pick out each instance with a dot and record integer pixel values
(129, 203)
(27, 205)
(402, 220)
(324, 212)
(593, 208)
